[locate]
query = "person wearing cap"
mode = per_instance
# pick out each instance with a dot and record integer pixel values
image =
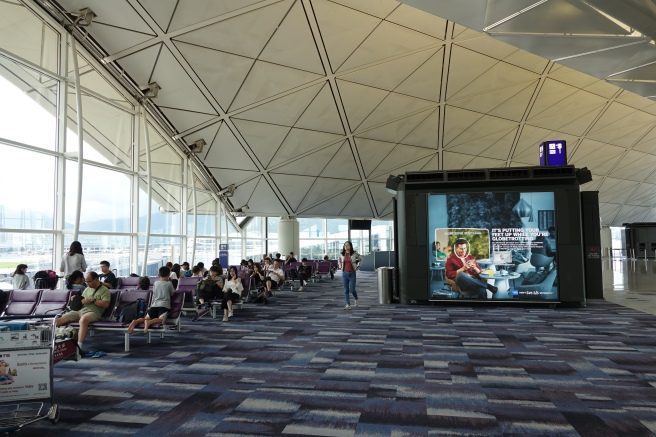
(185, 270)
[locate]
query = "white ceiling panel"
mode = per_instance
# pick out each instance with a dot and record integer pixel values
(387, 40)
(178, 90)
(226, 147)
(323, 189)
(190, 12)
(322, 114)
(285, 110)
(267, 80)
(293, 187)
(263, 139)
(139, 66)
(358, 206)
(599, 157)
(300, 141)
(246, 34)
(332, 206)
(382, 198)
(389, 75)
(426, 23)
(223, 87)
(342, 29)
(309, 165)
(644, 194)
(359, 101)
(293, 44)
(342, 165)
(160, 10)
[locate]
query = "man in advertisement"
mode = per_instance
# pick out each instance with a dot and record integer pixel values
(463, 269)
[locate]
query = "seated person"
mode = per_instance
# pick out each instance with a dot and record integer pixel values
(332, 269)
(290, 258)
(107, 277)
(96, 298)
(275, 277)
(215, 291)
(304, 273)
(75, 281)
(277, 258)
(464, 271)
(162, 292)
(267, 264)
(258, 280)
(144, 283)
(231, 292)
(185, 270)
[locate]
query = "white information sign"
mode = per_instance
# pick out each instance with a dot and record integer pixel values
(25, 374)
(26, 338)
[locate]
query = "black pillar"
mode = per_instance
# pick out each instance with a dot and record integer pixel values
(594, 288)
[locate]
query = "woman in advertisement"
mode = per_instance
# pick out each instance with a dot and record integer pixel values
(349, 263)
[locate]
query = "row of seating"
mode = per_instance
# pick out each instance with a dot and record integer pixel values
(47, 302)
(119, 298)
(35, 302)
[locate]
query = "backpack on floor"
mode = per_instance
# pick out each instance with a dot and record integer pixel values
(45, 279)
(205, 289)
(132, 311)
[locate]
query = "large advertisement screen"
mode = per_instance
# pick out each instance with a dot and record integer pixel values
(492, 246)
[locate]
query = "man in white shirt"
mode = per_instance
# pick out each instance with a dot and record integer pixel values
(275, 276)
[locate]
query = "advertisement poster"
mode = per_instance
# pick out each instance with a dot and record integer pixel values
(492, 246)
(25, 374)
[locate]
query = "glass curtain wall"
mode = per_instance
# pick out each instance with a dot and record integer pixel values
(39, 145)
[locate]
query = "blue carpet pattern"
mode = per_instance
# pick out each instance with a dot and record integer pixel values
(304, 366)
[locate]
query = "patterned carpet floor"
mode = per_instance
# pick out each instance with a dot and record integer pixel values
(304, 366)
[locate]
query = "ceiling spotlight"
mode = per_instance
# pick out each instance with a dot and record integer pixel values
(229, 191)
(83, 17)
(241, 212)
(197, 146)
(393, 183)
(151, 90)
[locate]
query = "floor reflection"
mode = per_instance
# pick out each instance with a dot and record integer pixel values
(631, 283)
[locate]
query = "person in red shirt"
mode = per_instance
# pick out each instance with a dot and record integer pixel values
(463, 269)
(349, 262)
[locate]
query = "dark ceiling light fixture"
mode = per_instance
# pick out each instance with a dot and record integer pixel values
(197, 146)
(228, 191)
(393, 183)
(151, 90)
(241, 212)
(83, 17)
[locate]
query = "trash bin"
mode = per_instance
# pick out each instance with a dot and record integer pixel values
(385, 284)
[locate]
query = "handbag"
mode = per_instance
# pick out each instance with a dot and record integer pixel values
(76, 303)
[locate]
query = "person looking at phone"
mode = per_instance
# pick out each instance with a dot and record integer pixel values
(463, 269)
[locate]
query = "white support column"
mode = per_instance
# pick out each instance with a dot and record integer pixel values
(80, 141)
(144, 116)
(184, 241)
(193, 201)
(136, 180)
(60, 181)
(288, 236)
(606, 241)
